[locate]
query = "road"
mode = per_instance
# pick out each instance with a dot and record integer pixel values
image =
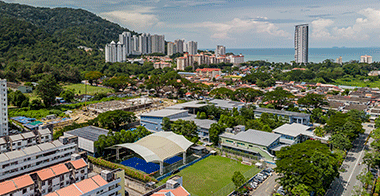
(266, 188)
(344, 185)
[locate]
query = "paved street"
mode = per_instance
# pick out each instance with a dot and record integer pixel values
(266, 188)
(347, 180)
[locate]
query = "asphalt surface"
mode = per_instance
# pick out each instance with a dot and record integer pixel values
(267, 187)
(353, 165)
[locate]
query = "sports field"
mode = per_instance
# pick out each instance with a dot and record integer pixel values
(91, 90)
(212, 174)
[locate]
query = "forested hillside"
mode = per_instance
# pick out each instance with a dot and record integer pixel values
(39, 41)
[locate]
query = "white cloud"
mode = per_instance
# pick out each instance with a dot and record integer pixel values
(140, 18)
(362, 29)
(237, 26)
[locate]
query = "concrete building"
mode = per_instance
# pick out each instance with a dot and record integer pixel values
(366, 59)
(145, 43)
(236, 60)
(178, 45)
(20, 186)
(3, 108)
(209, 72)
(181, 63)
(192, 47)
(158, 44)
(109, 183)
(23, 140)
(292, 117)
(301, 43)
(224, 104)
(161, 65)
(220, 50)
(111, 52)
(86, 138)
(171, 48)
(25, 160)
(153, 120)
(339, 60)
(173, 187)
(259, 143)
(296, 133)
(3, 145)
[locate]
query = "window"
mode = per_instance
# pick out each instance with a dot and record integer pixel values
(43, 183)
(82, 171)
(24, 191)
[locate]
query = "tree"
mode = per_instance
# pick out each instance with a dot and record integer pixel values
(185, 128)
(319, 132)
(36, 104)
(340, 141)
(115, 119)
(247, 94)
(118, 83)
(68, 95)
(313, 100)
(93, 76)
(279, 97)
(166, 124)
(238, 179)
(215, 130)
(17, 98)
(300, 190)
(47, 89)
(310, 163)
(222, 93)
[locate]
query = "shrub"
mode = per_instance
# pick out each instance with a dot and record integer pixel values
(128, 171)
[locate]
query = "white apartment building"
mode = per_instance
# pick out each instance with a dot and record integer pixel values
(35, 157)
(23, 140)
(3, 108)
(171, 48)
(236, 60)
(339, 60)
(178, 46)
(220, 50)
(109, 183)
(192, 47)
(158, 44)
(301, 43)
(366, 59)
(3, 145)
(44, 135)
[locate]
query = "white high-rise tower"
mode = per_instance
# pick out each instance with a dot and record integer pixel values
(301, 43)
(4, 108)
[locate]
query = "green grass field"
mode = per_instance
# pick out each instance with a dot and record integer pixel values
(211, 174)
(358, 83)
(91, 90)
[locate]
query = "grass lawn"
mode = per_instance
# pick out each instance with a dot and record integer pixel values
(211, 174)
(91, 90)
(359, 83)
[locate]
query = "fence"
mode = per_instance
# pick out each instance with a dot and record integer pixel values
(182, 167)
(230, 187)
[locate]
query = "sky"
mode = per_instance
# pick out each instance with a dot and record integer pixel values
(241, 23)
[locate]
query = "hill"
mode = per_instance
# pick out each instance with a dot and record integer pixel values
(38, 41)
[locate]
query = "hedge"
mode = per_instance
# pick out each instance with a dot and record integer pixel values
(377, 186)
(128, 171)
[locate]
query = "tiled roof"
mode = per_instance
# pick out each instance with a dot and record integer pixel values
(87, 185)
(179, 191)
(15, 184)
(6, 187)
(78, 163)
(99, 180)
(45, 174)
(71, 190)
(59, 169)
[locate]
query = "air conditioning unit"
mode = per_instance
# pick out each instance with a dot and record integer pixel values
(172, 184)
(75, 157)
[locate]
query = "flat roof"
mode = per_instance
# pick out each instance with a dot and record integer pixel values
(226, 104)
(191, 104)
(90, 132)
(28, 135)
(2, 141)
(202, 123)
(31, 150)
(44, 131)
(16, 137)
(164, 113)
(252, 136)
(294, 129)
(281, 112)
(46, 146)
(15, 154)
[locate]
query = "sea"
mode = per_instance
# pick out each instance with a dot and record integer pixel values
(316, 55)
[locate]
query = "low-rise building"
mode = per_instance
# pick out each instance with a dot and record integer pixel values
(86, 138)
(208, 72)
(23, 140)
(153, 120)
(224, 104)
(161, 65)
(259, 143)
(297, 133)
(35, 157)
(20, 186)
(173, 187)
(292, 117)
(3, 145)
(106, 184)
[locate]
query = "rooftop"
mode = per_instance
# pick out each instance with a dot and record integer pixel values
(163, 113)
(77, 164)
(179, 191)
(191, 104)
(294, 129)
(226, 104)
(44, 131)
(90, 132)
(202, 123)
(45, 174)
(81, 187)
(281, 112)
(261, 138)
(15, 184)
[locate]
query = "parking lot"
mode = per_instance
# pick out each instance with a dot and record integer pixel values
(263, 184)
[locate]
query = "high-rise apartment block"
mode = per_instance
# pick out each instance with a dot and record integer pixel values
(158, 44)
(129, 44)
(179, 45)
(301, 43)
(171, 48)
(366, 59)
(4, 108)
(192, 47)
(220, 50)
